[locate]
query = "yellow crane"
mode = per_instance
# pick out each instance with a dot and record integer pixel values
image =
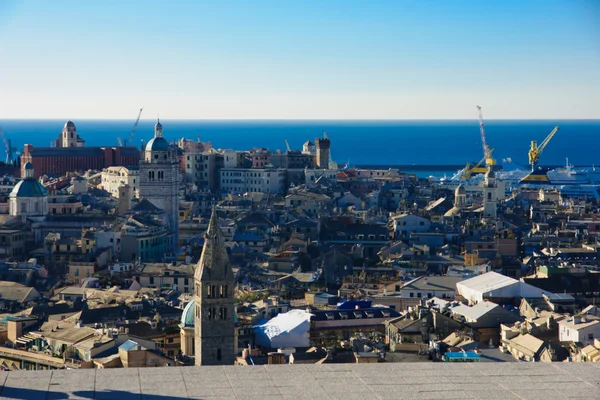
(469, 171)
(535, 151)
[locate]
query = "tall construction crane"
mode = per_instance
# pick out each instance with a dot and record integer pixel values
(137, 120)
(487, 152)
(287, 145)
(8, 147)
(535, 151)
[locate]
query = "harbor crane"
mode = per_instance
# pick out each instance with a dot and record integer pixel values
(469, 170)
(10, 151)
(287, 145)
(137, 121)
(487, 152)
(535, 151)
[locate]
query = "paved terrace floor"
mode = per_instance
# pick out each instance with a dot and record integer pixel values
(487, 381)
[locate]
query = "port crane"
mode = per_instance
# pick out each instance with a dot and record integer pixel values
(487, 153)
(287, 145)
(535, 151)
(8, 147)
(137, 121)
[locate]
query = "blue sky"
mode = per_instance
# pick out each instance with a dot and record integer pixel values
(305, 59)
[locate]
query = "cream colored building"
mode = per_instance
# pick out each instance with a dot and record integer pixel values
(114, 178)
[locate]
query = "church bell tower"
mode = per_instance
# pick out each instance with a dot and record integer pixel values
(215, 305)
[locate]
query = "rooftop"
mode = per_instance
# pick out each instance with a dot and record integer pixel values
(327, 381)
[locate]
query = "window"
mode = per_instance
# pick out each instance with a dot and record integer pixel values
(152, 280)
(412, 294)
(218, 354)
(590, 336)
(419, 294)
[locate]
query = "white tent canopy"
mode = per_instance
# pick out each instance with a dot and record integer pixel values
(493, 284)
(290, 329)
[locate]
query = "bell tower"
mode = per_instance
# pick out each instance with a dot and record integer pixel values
(215, 305)
(490, 194)
(159, 179)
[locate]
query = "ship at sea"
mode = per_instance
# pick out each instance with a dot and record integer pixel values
(567, 175)
(572, 182)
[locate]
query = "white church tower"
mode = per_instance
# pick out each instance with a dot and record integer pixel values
(159, 179)
(490, 194)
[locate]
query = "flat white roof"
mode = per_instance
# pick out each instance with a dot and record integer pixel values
(487, 282)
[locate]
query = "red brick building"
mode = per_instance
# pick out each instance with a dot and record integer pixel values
(57, 161)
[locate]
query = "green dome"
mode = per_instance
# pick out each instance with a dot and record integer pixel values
(157, 144)
(28, 188)
(187, 318)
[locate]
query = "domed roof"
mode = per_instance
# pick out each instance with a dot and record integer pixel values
(460, 189)
(157, 144)
(28, 188)
(70, 124)
(189, 313)
(28, 165)
(308, 143)
(187, 318)
(490, 173)
(158, 125)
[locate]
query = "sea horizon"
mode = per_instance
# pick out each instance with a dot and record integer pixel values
(354, 142)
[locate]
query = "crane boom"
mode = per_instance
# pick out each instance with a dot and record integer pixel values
(535, 151)
(137, 121)
(287, 145)
(482, 131)
(7, 146)
(487, 152)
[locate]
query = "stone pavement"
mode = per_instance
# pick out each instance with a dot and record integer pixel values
(418, 381)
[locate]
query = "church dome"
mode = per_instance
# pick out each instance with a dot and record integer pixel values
(70, 124)
(157, 144)
(158, 125)
(187, 318)
(28, 188)
(490, 173)
(189, 313)
(28, 165)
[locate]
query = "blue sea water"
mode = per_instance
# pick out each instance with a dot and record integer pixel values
(359, 142)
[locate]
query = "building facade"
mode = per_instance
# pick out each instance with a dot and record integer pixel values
(243, 180)
(114, 178)
(202, 169)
